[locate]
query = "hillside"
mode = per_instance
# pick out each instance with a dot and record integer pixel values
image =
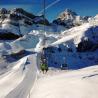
(68, 47)
(18, 22)
(24, 80)
(75, 48)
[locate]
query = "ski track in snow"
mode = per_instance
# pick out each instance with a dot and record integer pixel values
(17, 83)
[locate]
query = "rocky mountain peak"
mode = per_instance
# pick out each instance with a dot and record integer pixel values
(67, 14)
(3, 11)
(69, 19)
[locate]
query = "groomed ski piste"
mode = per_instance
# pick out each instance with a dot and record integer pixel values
(24, 81)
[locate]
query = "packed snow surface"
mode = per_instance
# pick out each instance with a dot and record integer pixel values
(72, 84)
(24, 81)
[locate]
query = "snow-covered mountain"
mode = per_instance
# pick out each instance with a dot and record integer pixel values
(18, 22)
(69, 19)
(69, 44)
(75, 48)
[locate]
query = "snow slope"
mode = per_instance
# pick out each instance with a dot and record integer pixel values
(75, 33)
(13, 77)
(64, 51)
(23, 79)
(22, 82)
(18, 81)
(72, 84)
(26, 42)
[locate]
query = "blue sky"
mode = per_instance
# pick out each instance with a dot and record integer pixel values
(82, 7)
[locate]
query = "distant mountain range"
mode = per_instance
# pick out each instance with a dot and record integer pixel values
(18, 22)
(69, 37)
